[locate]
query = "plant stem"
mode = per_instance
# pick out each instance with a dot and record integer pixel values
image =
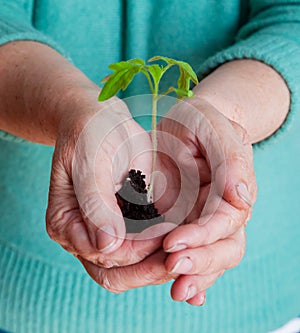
(155, 97)
(149, 80)
(165, 93)
(154, 146)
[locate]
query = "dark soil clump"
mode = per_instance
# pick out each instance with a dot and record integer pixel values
(138, 213)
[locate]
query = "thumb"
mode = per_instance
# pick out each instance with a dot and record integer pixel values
(234, 183)
(234, 176)
(92, 175)
(95, 193)
(229, 154)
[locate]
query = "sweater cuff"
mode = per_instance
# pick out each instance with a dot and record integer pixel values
(279, 53)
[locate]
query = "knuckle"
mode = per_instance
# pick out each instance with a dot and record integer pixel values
(110, 264)
(239, 254)
(239, 248)
(133, 254)
(50, 231)
(242, 133)
(255, 187)
(167, 277)
(243, 251)
(90, 203)
(231, 226)
(221, 273)
(140, 255)
(58, 220)
(249, 216)
(208, 262)
(105, 282)
(147, 273)
(204, 230)
(238, 158)
(68, 248)
(108, 284)
(241, 237)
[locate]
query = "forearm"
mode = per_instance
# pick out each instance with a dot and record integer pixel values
(36, 85)
(249, 93)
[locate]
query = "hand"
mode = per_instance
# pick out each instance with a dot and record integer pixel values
(208, 162)
(149, 271)
(47, 100)
(93, 153)
(205, 159)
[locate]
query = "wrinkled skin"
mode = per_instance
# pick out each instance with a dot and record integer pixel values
(213, 234)
(89, 165)
(204, 158)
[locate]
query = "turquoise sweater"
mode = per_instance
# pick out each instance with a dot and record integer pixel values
(43, 288)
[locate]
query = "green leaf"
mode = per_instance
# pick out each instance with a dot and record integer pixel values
(137, 61)
(157, 58)
(106, 78)
(184, 79)
(169, 61)
(190, 93)
(124, 72)
(183, 93)
(187, 73)
(119, 66)
(117, 81)
(188, 70)
(156, 71)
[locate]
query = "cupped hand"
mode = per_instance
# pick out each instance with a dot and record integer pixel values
(206, 187)
(210, 171)
(207, 162)
(96, 148)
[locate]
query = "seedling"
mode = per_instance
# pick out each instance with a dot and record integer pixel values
(123, 74)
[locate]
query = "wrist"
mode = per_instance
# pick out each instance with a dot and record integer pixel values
(39, 88)
(74, 109)
(65, 98)
(249, 93)
(80, 105)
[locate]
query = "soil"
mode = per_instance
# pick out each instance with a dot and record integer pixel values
(138, 213)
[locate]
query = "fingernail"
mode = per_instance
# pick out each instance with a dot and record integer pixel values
(192, 291)
(243, 193)
(183, 266)
(176, 247)
(106, 238)
(202, 299)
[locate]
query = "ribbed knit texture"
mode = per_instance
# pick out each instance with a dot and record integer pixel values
(39, 297)
(42, 288)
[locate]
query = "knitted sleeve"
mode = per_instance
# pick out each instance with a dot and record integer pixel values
(16, 24)
(271, 35)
